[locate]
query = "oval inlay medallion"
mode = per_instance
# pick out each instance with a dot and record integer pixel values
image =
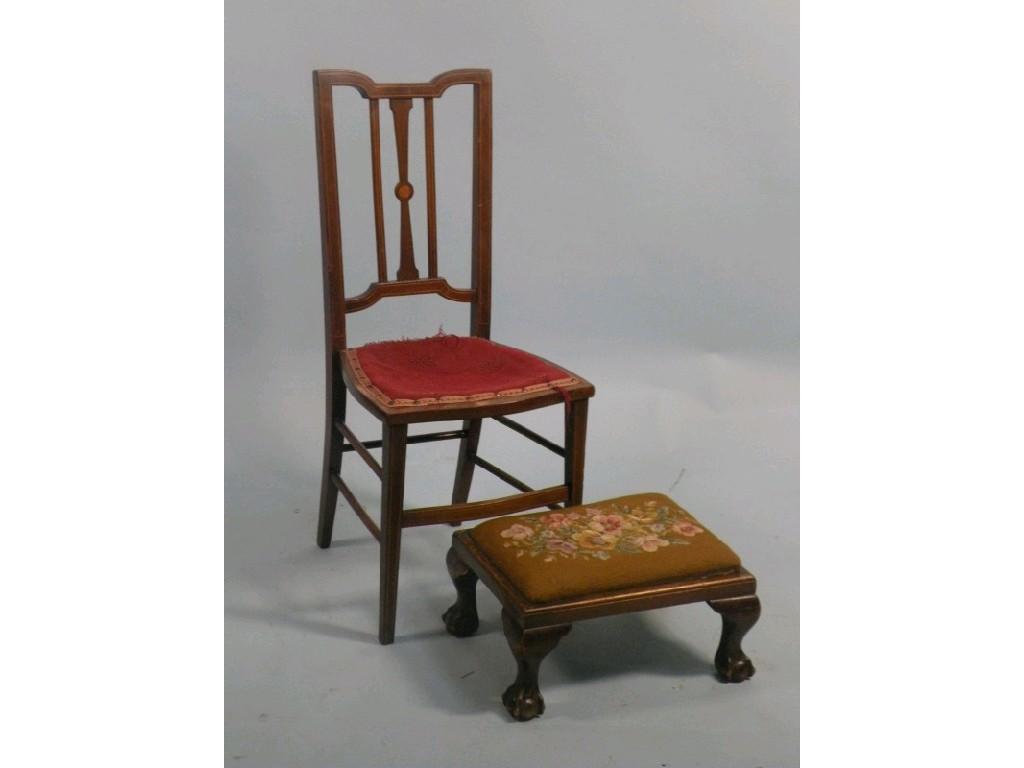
(403, 190)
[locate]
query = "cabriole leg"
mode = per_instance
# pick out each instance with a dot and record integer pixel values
(739, 614)
(522, 699)
(461, 619)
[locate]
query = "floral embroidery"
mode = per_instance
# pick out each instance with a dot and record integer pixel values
(589, 539)
(597, 533)
(686, 528)
(650, 542)
(517, 533)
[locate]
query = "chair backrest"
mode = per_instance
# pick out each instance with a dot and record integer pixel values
(407, 280)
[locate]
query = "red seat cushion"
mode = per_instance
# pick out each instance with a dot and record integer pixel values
(447, 368)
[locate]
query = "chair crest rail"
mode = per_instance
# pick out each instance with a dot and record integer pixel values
(369, 89)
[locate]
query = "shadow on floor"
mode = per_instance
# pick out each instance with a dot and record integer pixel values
(295, 620)
(293, 616)
(627, 644)
(467, 675)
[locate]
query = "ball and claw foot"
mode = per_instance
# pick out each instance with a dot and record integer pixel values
(522, 699)
(739, 614)
(734, 670)
(459, 622)
(522, 702)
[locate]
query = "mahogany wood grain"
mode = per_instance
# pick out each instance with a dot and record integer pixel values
(366, 456)
(378, 291)
(461, 618)
(523, 698)
(529, 434)
(575, 449)
(428, 130)
(378, 194)
(434, 89)
(361, 513)
(480, 319)
(403, 190)
(333, 452)
(392, 499)
(739, 614)
(429, 437)
(476, 510)
(465, 464)
(501, 474)
(330, 222)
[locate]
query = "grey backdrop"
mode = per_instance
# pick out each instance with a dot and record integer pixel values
(645, 235)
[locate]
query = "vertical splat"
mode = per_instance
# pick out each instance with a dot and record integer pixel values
(403, 190)
(428, 125)
(378, 200)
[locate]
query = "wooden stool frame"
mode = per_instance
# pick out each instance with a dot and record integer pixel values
(339, 438)
(534, 629)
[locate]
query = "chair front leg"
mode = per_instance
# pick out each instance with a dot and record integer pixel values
(392, 499)
(575, 449)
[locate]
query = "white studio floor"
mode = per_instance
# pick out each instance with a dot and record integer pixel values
(308, 685)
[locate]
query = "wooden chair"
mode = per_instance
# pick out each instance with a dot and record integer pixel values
(384, 378)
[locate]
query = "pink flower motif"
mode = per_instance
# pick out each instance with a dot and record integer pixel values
(686, 528)
(649, 542)
(517, 532)
(557, 545)
(555, 520)
(606, 523)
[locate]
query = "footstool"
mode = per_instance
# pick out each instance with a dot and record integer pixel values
(630, 553)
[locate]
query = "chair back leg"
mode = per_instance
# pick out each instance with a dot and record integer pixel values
(464, 467)
(332, 466)
(392, 500)
(575, 449)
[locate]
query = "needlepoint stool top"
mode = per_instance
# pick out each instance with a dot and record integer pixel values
(619, 543)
